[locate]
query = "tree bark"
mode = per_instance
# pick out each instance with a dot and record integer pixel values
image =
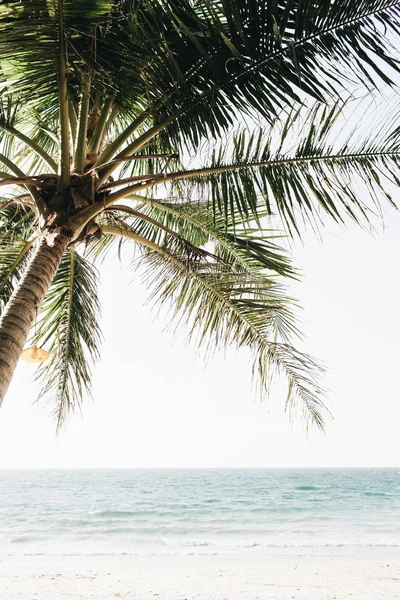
(20, 312)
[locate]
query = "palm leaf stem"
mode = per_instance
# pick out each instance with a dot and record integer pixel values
(64, 371)
(115, 110)
(351, 21)
(94, 144)
(33, 145)
(72, 117)
(63, 180)
(21, 175)
(5, 179)
(112, 148)
(136, 145)
(15, 180)
(80, 150)
(118, 161)
(143, 217)
(9, 181)
(12, 166)
(235, 167)
(20, 257)
(135, 178)
(195, 222)
(120, 231)
(163, 178)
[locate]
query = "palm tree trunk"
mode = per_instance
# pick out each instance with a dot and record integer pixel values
(19, 315)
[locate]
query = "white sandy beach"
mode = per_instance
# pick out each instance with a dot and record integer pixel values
(201, 578)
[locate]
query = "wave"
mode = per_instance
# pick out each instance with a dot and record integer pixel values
(23, 539)
(261, 550)
(180, 512)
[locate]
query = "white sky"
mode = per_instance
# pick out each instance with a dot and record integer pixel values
(156, 406)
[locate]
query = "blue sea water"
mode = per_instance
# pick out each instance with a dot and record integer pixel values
(217, 512)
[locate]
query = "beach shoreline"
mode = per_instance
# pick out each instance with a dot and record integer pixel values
(285, 577)
(210, 535)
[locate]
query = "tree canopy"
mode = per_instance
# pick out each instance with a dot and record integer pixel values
(186, 127)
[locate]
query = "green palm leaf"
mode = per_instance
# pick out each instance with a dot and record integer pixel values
(304, 174)
(14, 256)
(244, 65)
(244, 247)
(225, 303)
(16, 244)
(9, 115)
(197, 63)
(68, 326)
(224, 307)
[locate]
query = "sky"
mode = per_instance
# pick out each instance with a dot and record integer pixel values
(155, 404)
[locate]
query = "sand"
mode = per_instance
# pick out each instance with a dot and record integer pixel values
(201, 578)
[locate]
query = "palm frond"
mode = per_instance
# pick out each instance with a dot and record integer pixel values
(223, 305)
(223, 308)
(304, 170)
(43, 137)
(29, 45)
(16, 243)
(197, 64)
(10, 113)
(243, 246)
(239, 261)
(16, 218)
(68, 326)
(211, 61)
(14, 255)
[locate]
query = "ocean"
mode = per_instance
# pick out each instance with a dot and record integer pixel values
(207, 512)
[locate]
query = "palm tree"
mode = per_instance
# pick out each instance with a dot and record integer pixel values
(103, 105)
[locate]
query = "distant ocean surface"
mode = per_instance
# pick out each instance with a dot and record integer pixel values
(214, 512)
